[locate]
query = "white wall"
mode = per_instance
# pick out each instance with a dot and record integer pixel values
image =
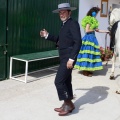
(84, 6)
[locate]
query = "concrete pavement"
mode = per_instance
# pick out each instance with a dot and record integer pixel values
(95, 98)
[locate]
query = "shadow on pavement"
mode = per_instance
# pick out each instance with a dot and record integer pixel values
(92, 96)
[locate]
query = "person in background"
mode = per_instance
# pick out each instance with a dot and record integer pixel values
(88, 59)
(69, 42)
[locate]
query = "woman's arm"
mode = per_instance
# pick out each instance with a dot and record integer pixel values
(87, 29)
(102, 31)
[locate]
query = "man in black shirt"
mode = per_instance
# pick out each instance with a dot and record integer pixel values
(69, 43)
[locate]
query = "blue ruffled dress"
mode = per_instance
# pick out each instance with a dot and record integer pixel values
(89, 58)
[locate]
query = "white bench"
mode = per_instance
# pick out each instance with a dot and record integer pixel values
(29, 58)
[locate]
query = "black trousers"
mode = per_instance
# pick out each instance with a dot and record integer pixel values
(63, 82)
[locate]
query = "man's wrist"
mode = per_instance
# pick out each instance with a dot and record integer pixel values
(46, 36)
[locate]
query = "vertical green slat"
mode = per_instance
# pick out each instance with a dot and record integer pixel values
(2, 38)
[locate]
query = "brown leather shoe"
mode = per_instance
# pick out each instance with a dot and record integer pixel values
(59, 109)
(66, 109)
(87, 73)
(90, 72)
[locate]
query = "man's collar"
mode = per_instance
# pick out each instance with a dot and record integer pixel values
(66, 20)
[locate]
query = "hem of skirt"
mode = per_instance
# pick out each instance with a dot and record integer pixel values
(88, 69)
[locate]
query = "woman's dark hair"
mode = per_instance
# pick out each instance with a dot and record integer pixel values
(93, 9)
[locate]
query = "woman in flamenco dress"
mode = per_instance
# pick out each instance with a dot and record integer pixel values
(88, 59)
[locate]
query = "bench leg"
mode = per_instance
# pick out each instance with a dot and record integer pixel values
(11, 61)
(26, 71)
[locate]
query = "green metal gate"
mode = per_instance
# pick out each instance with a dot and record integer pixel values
(3, 42)
(25, 18)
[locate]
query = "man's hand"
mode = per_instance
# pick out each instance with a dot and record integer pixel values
(43, 33)
(70, 64)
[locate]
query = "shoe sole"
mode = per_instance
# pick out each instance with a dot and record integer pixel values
(70, 111)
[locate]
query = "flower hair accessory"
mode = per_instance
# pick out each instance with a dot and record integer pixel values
(93, 14)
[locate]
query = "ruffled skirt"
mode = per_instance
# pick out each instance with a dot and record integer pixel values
(89, 58)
